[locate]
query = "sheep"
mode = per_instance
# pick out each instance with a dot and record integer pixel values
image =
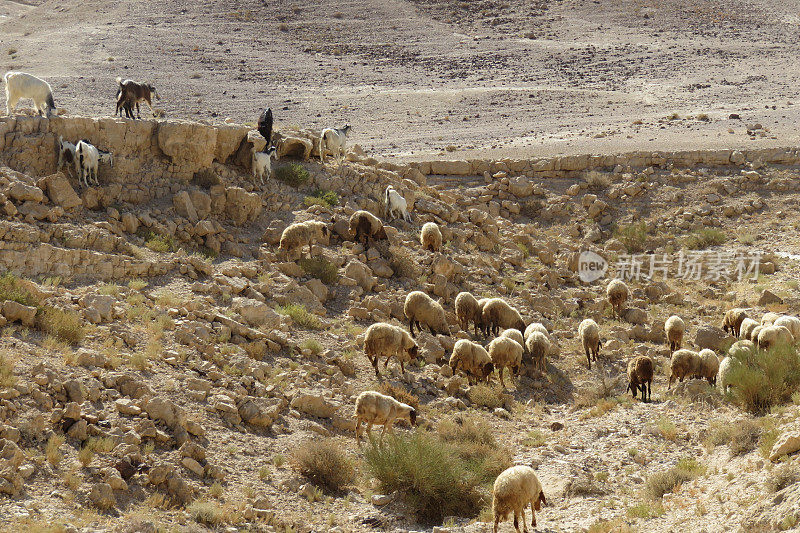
(333, 140)
(262, 163)
(513, 490)
(89, 157)
(742, 349)
(733, 320)
(684, 363)
(382, 339)
(746, 328)
(674, 328)
(472, 359)
(376, 408)
(66, 155)
(769, 318)
(791, 323)
(617, 293)
(538, 345)
(535, 326)
(515, 334)
(754, 333)
(709, 366)
(420, 308)
(589, 332)
(364, 225)
(299, 234)
(395, 204)
(771, 336)
(506, 352)
(265, 125)
(497, 313)
(640, 377)
(467, 310)
(131, 93)
(430, 237)
(727, 364)
(479, 325)
(23, 85)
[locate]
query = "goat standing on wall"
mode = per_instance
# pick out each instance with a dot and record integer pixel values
(130, 93)
(333, 140)
(265, 125)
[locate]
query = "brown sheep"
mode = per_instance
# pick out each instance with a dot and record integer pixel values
(497, 313)
(684, 363)
(617, 293)
(640, 376)
(364, 225)
(733, 320)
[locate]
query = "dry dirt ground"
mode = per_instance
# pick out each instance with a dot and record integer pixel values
(415, 78)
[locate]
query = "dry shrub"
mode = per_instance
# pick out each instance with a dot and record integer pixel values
(399, 393)
(487, 396)
(325, 463)
(782, 477)
(65, 325)
(403, 263)
(663, 482)
(12, 288)
(320, 268)
(473, 440)
(741, 437)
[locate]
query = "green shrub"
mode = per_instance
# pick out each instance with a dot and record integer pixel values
(473, 441)
(300, 316)
(663, 482)
(429, 473)
(704, 238)
(323, 198)
(313, 345)
(765, 379)
(320, 268)
(206, 512)
(324, 463)
(11, 288)
(633, 236)
(293, 174)
(160, 243)
(62, 324)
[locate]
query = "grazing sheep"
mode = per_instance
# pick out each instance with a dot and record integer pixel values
(589, 332)
(300, 234)
(640, 376)
(709, 366)
(67, 155)
(684, 363)
(733, 320)
(472, 359)
(364, 225)
(497, 313)
(791, 323)
(538, 345)
(535, 326)
(387, 340)
(131, 93)
(431, 237)
(617, 293)
(726, 366)
(675, 328)
(754, 333)
(513, 490)
(771, 336)
(395, 204)
(479, 325)
(376, 408)
(746, 328)
(420, 309)
(89, 158)
(23, 85)
(265, 125)
(467, 311)
(769, 318)
(515, 334)
(742, 349)
(333, 140)
(506, 352)
(262, 163)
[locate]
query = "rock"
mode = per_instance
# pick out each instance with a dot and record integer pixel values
(16, 312)
(241, 206)
(184, 207)
(127, 407)
(99, 305)
(112, 477)
(85, 357)
(360, 272)
(193, 450)
(712, 337)
(74, 390)
(193, 465)
(158, 474)
(737, 158)
(381, 499)
(451, 168)
(61, 192)
(635, 315)
(294, 147)
(78, 430)
(102, 496)
(556, 426)
(130, 223)
(166, 411)
(768, 297)
(23, 192)
(313, 404)
(786, 444)
(189, 144)
(256, 313)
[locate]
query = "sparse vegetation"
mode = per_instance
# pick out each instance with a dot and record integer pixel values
(52, 449)
(766, 378)
(486, 395)
(12, 288)
(300, 316)
(65, 325)
(325, 463)
(741, 437)
(704, 238)
(399, 393)
(7, 377)
(160, 243)
(782, 477)
(206, 512)
(323, 198)
(312, 345)
(633, 236)
(320, 268)
(293, 174)
(663, 482)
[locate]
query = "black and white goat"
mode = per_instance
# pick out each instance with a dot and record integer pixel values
(23, 85)
(66, 154)
(333, 140)
(131, 93)
(89, 158)
(262, 163)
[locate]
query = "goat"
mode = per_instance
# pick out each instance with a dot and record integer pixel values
(89, 158)
(395, 203)
(66, 154)
(333, 139)
(265, 125)
(23, 85)
(130, 93)
(262, 163)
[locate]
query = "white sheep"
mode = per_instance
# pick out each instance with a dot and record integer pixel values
(589, 332)
(746, 328)
(333, 140)
(769, 318)
(431, 237)
(535, 326)
(497, 313)
(89, 158)
(299, 234)
(617, 294)
(674, 328)
(709, 366)
(382, 339)
(732, 320)
(513, 490)
(472, 359)
(376, 408)
(506, 352)
(467, 311)
(792, 323)
(515, 334)
(754, 333)
(420, 308)
(262, 163)
(23, 85)
(538, 345)
(771, 336)
(726, 366)
(67, 155)
(395, 204)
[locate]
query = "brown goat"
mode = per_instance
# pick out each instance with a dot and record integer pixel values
(130, 93)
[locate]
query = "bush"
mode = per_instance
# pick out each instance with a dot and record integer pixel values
(400, 394)
(741, 437)
(62, 324)
(633, 236)
(403, 263)
(320, 268)
(486, 395)
(663, 482)
(206, 512)
(430, 475)
(323, 198)
(324, 463)
(11, 288)
(766, 378)
(293, 174)
(782, 477)
(300, 315)
(160, 243)
(7, 377)
(313, 345)
(473, 441)
(703, 238)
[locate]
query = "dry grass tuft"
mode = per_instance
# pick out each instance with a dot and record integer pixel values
(325, 463)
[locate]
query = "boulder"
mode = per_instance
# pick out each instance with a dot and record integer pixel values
(166, 411)
(184, 207)
(635, 315)
(16, 312)
(256, 313)
(99, 305)
(22, 192)
(768, 297)
(295, 147)
(313, 404)
(191, 146)
(241, 206)
(360, 272)
(788, 442)
(713, 338)
(61, 192)
(102, 496)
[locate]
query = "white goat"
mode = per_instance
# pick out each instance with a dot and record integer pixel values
(262, 163)
(22, 85)
(333, 140)
(89, 158)
(395, 204)
(66, 154)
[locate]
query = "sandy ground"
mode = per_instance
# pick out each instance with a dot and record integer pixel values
(421, 78)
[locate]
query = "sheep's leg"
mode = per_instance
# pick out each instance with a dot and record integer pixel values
(650, 390)
(496, 522)
(411, 327)
(358, 426)
(533, 513)
(516, 520)
(503, 383)
(524, 525)
(138, 114)
(369, 431)
(402, 368)
(386, 363)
